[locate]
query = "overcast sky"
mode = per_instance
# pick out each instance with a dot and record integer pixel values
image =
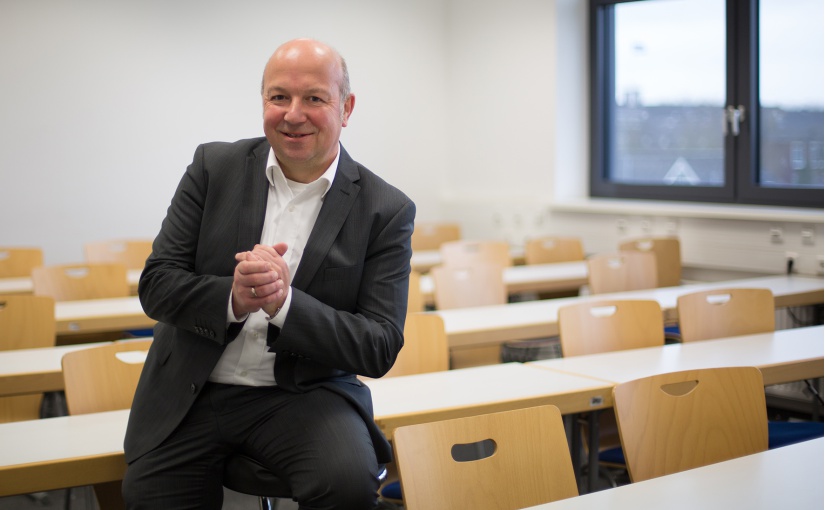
(673, 51)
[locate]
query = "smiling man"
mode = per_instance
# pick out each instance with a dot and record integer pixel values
(280, 273)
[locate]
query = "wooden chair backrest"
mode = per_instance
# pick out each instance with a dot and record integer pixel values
(725, 312)
(19, 262)
(415, 301)
(612, 325)
(479, 284)
(546, 250)
(530, 465)
(431, 235)
(622, 271)
(681, 420)
(462, 253)
(103, 378)
(26, 322)
(81, 281)
(425, 346)
(131, 253)
(668, 257)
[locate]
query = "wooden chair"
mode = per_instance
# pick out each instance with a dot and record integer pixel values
(725, 312)
(611, 325)
(479, 284)
(464, 253)
(415, 301)
(551, 249)
(81, 281)
(431, 235)
(131, 253)
(606, 326)
(525, 461)
(622, 271)
(668, 257)
(104, 378)
(19, 262)
(26, 322)
(677, 421)
(425, 346)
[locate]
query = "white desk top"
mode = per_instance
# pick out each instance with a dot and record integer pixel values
(24, 285)
(535, 277)
(780, 355)
(451, 393)
(787, 477)
(34, 370)
(537, 319)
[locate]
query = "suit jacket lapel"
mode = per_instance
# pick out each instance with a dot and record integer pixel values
(255, 193)
(337, 204)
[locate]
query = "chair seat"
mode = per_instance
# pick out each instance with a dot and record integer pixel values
(783, 433)
(248, 476)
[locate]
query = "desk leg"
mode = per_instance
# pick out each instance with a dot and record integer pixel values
(573, 430)
(593, 453)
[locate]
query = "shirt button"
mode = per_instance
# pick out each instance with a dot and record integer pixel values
(244, 373)
(193, 388)
(292, 208)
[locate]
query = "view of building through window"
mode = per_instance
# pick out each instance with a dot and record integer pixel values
(671, 113)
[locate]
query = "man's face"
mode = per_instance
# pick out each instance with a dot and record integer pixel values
(303, 112)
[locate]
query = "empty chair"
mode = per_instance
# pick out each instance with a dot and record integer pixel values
(81, 281)
(132, 253)
(725, 312)
(622, 271)
(104, 378)
(611, 325)
(668, 257)
(431, 235)
(677, 421)
(463, 286)
(463, 253)
(26, 322)
(425, 346)
(18, 262)
(551, 249)
(525, 461)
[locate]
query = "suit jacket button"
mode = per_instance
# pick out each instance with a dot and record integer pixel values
(193, 387)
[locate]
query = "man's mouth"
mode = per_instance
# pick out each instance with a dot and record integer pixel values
(295, 135)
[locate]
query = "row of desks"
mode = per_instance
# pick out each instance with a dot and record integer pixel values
(87, 449)
(465, 326)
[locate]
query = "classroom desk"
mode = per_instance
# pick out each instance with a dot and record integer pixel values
(787, 477)
(86, 449)
(100, 315)
(782, 356)
(24, 285)
(27, 371)
(424, 260)
(489, 325)
(410, 399)
(556, 277)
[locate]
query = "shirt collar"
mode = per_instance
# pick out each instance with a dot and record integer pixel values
(275, 174)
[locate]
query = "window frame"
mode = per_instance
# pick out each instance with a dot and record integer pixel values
(740, 153)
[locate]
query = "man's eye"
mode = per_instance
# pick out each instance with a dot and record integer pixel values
(315, 99)
(277, 97)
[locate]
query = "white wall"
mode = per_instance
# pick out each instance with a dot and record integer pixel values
(104, 102)
(478, 109)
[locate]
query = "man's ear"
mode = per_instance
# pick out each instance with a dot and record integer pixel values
(349, 104)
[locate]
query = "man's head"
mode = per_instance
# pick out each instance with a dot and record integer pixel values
(306, 102)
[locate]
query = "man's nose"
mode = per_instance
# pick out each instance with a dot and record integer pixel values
(295, 112)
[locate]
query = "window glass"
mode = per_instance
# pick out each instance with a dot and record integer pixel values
(791, 93)
(670, 70)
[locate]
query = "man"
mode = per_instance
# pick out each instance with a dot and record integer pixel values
(279, 273)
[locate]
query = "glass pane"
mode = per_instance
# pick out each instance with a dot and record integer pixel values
(791, 88)
(669, 93)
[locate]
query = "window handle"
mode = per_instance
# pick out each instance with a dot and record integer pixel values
(734, 116)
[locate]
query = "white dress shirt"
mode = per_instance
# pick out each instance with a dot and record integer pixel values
(291, 210)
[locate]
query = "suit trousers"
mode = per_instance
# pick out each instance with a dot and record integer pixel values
(315, 440)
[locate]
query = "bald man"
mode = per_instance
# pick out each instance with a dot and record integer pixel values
(279, 274)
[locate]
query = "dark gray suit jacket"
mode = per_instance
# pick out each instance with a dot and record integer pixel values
(349, 294)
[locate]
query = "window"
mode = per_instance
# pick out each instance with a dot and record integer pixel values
(703, 100)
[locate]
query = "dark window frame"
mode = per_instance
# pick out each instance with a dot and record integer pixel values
(740, 153)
